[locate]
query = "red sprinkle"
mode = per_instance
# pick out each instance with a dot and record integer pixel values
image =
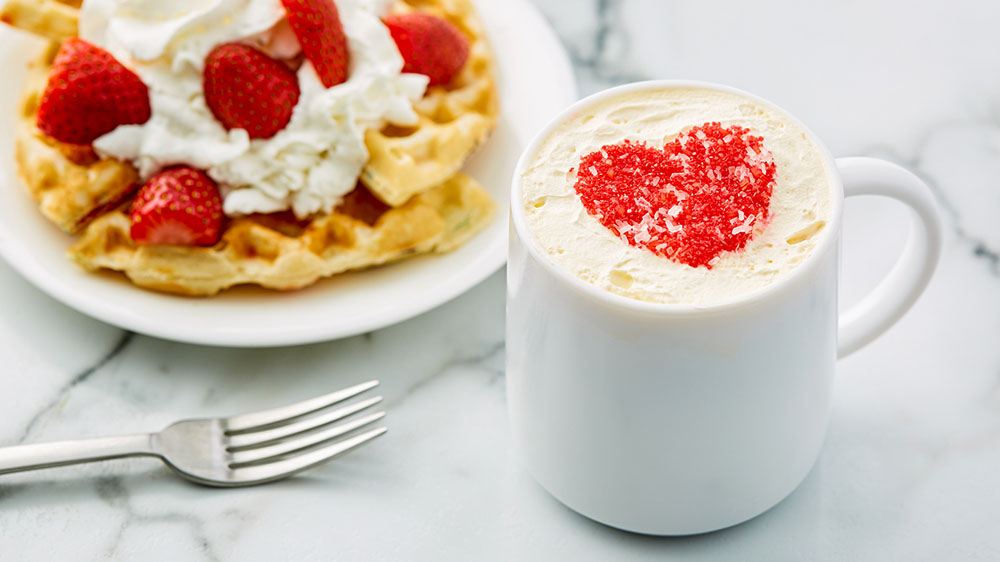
(704, 193)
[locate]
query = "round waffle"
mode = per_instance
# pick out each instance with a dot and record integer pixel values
(412, 198)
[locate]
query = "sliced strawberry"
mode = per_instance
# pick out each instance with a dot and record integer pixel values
(246, 89)
(180, 205)
(429, 45)
(89, 93)
(316, 24)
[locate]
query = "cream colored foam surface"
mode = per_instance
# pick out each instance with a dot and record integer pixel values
(575, 240)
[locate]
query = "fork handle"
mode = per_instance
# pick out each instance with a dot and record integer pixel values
(61, 453)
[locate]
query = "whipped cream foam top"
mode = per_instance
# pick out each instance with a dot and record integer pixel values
(308, 166)
(800, 206)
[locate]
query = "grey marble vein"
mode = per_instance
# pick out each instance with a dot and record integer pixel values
(979, 248)
(74, 381)
(601, 55)
(112, 491)
(488, 358)
(991, 256)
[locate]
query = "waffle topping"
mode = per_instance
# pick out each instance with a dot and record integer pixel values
(90, 93)
(273, 139)
(704, 193)
(430, 45)
(181, 206)
(316, 24)
(246, 89)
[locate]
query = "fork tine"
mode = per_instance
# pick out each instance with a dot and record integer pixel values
(261, 473)
(269, 436)
(268, 418)
(280, 449)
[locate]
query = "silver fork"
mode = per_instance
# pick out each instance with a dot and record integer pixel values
(236, 451)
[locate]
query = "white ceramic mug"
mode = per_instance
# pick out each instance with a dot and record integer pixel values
(677, 419)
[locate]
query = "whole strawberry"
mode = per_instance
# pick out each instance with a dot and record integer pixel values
(246, 89)
(429, 45)
(316, 24)
(180, 205)
(89, 94)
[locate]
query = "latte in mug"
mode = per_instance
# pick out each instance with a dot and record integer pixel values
(678, 195)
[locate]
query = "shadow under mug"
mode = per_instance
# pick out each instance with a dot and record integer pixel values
(676, 419)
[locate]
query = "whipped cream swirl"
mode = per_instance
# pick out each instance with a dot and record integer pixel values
(308, 166)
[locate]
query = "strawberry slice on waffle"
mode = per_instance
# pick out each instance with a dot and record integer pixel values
(429, 45)
(180, 205)
(246, 89)
(316, 24)
(89, 94)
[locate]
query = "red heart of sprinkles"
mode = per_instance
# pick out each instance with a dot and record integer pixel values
(702, 194)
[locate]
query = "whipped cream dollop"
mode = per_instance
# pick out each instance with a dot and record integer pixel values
(310, 164)
(800, 206)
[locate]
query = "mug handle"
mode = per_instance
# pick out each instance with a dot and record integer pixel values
(895, 294)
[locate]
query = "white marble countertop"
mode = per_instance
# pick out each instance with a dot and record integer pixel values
(911, 466)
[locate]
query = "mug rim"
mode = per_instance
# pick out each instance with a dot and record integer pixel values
(530, 242)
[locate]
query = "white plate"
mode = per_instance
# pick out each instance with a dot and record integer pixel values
(535, 81)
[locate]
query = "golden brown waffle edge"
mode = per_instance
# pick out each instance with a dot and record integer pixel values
(254, 252)
(45, 18)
